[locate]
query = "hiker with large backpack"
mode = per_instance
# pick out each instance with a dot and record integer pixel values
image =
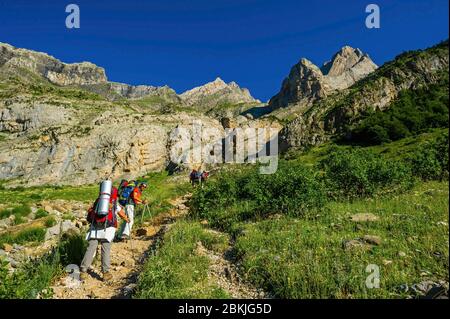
(131, 196)
(103, 218)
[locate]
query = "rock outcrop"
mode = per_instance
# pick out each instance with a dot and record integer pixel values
(116, 91)
(48, 67)
(308, 83)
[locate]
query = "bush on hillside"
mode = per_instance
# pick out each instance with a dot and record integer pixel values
(32, 234)
(292, 190)
(50, 221)
(22, 211)
(71, 249)
(360, 173)
(40, 213)
(430, 161)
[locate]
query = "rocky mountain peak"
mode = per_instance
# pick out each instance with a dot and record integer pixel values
(307, 82)
(344, 60)
(219, 81)
(216, 92)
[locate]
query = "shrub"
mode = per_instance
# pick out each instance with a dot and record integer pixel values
(19, 220)
(219, 193)
(245, 194)
(361, 173)
(430, 161)
(23, 210)
(293, 190)
(72, 248)
(5, 213)
(32, 234)
(40, 213)
(50, 221)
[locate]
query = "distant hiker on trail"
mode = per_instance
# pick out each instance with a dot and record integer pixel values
(131, 196)
(204, 177)
(195, 177)
(103, 219)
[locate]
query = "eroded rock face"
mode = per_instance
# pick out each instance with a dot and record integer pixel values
(20, 117)
(51, 149)
(53, 144)
(307, 83)
(115, 91)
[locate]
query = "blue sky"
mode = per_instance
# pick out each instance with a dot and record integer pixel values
(188, 43)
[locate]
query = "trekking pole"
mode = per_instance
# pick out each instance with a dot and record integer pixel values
(145, 209)
(131, 243)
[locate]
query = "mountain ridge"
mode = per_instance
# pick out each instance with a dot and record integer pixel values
(91, 77)
(334, 115)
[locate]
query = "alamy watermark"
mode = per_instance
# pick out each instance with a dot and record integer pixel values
(373, 279)
(73, 19)
(373, 20)
(211, 145)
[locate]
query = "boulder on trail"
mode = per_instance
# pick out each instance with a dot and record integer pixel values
(60, 228)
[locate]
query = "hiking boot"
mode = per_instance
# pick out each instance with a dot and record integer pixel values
(83, 276)
(107, 276)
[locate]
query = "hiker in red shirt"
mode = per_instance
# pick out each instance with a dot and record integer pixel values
(134, 200)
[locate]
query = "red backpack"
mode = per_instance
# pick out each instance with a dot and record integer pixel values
(106, 221)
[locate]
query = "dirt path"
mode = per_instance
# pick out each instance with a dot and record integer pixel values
(126, 261)
(223, 272)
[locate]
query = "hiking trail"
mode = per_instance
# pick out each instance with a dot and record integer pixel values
(223, 272)
(127, 259)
